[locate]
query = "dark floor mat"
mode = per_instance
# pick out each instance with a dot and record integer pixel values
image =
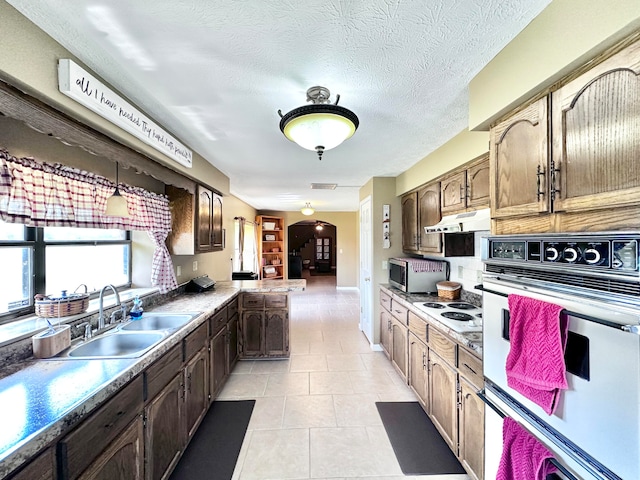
(213, 452)
(418, 446)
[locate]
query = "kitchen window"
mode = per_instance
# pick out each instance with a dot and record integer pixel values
(51, 259)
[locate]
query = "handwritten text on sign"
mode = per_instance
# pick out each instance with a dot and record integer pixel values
(84, 88)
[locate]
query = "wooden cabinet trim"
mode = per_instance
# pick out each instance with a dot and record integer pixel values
(162, 371)
(195, 341)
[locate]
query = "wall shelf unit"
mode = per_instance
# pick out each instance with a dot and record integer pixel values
(271, 247)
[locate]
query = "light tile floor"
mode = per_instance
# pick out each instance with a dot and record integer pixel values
(315, 415)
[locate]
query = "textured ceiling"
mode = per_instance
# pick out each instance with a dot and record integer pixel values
(215, 73)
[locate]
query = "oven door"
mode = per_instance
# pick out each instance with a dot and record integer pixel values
(497, 409)
(600, 411)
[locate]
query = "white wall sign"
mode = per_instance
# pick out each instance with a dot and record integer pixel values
(84, 88)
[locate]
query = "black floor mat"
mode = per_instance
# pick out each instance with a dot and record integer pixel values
(213, 452)
(418, 446)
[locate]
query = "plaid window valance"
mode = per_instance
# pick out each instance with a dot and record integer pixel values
(39, 194)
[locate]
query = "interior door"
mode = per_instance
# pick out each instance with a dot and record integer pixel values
(366, 253)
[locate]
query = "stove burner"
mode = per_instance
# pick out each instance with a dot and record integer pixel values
(433, 305)
(461, 306)
(463, 317)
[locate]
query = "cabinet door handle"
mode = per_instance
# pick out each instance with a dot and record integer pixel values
(470, 369)
(540, 173)
(461, 192)
(554, 173)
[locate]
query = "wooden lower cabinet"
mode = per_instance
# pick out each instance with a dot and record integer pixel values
(196, 382)
(418, 370)
(124, 458)
(232, 342)
(87, 448)
(165, 434)
(218, 363)
(471, 430)
(41, 467)
(385, 332)
(264, 326)
(276, 339)
(399, 342)
(443, 380)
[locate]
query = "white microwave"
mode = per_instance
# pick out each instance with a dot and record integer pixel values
(417, 275)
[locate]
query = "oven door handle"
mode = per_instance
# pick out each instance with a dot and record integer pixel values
(552, 460)
(635, 329)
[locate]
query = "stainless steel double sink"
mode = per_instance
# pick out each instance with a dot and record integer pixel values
(130, 340)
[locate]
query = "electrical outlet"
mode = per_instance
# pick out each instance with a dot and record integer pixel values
(479, 276)
(195, 266)
(460, 271)
(385, 264)
(178, 271)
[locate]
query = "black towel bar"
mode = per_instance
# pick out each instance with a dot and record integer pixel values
(589, 318)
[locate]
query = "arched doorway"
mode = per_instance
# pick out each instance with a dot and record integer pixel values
(312, 248)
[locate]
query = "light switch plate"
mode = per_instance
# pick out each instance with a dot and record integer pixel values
(460, 271)
(178, 271)
(195, 266)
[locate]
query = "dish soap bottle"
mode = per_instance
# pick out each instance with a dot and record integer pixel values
(136, 310)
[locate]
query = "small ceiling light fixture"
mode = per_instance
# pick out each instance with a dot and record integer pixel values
(116, 203)
(320, 126)
(307, 210)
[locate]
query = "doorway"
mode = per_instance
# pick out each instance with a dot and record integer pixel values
(312, 249)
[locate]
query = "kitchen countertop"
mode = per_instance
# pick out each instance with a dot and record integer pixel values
(470, 340)
(48, 397)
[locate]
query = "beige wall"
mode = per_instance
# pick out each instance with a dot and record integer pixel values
(382, 191)
(28, 60)
(564, 36)
(460, 149)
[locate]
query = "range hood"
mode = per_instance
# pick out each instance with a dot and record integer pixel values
(462, 222)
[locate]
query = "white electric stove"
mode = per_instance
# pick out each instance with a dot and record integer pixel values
(459, 316)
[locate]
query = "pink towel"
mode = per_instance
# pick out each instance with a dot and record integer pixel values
(523, 457)
(535, 364)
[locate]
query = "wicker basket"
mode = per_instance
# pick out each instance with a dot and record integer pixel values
(64, 306)
(449, 290)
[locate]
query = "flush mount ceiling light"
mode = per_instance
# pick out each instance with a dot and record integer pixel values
(307, 210)
(116, 203)
(320, 126)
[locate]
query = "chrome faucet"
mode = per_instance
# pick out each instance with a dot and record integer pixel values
(101, 309)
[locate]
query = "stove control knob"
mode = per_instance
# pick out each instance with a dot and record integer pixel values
(570, 254)
(551, 254)
(592, 256)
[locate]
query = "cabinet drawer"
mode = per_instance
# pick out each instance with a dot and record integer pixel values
(40, 468)
(275, 301)
(418, 327)
(161, 372)
(253, 300)
(470, 367)
(385, 300)
(77, 450)
(197, 339)
(232, 309)
(218, 321)
(399, 311)
(443, 346)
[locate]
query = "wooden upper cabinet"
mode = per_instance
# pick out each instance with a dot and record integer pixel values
(478, 184)
(429, 214)
(196, 221)
(467, 188)
(410, 222)
(209, 221)
(596, 135)
(454, 192)
(518, 155)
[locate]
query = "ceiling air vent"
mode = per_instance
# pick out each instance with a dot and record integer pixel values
(323, 186)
